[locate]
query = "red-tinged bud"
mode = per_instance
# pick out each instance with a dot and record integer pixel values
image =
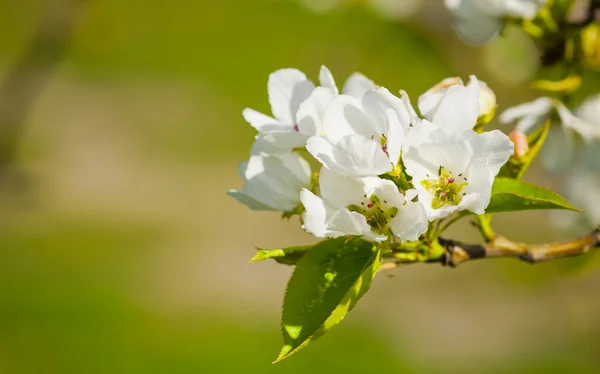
(520, 140)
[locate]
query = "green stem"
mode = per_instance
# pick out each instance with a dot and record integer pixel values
(449, 223)
(485, 228)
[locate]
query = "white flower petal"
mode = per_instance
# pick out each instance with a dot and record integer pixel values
(317, 215)
(589, 110)
(478, 190)
(425, 199)
(459, 108)
(487, 99)
(478, 30)
(252, 203)
(353, 155)
(345, 116)
(385, 190)
(277, 177)
(410, 194)
(297, 169)
(288, 88)
(395, 136)
(242, 170)
(583, 189)
(339, 190)
(312, 111)
(274, 142)
(326, 79)
(587, 131)
(376, 102)
(356, 85)
(491, 149)
(419, 134)
(260, 121)
(443, 148)
(430, 101)
(474, 202)
(410, 222)
(530, 115)
(479, 20)
(559, 150)
(414, 117)
(322, 220)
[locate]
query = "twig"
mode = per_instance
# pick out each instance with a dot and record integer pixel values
(458, 253)
(453, 253)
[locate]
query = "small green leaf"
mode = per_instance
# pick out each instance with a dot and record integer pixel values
(566, 85)
(286, 256)
(326, 284)
(518, 165)
(509, 195)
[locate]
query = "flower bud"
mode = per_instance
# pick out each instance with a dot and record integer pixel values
(520, 140)
(487, 104)
(430, 101)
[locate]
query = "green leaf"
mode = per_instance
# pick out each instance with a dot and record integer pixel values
(286, 256)
(509, 195)
(518, 165)
(326, 284)
(567, 85)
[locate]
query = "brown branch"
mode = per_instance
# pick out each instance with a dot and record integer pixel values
(458, 253)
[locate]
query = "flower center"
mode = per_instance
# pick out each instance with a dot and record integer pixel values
(377, 213)
(446, 189)
(384, 146)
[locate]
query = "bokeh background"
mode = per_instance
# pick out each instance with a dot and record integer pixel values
(121, 131)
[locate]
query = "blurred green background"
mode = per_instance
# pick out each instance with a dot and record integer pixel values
(121, 253)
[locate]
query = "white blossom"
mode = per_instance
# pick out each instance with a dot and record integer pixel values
(368, 206)
(530, 115)
(287, 89)
(363, 137)
(298, 108)
(560, 146)
(479, 20)
(454, 171)
(589, 110)
(582, 182)
(311, 112)
(273, 182)
(454, 92)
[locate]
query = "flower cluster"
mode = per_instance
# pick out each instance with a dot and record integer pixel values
(385, 171)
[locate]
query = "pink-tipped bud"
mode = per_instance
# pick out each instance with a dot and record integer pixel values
(451, 180)
(370, 205)
(520, 140)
